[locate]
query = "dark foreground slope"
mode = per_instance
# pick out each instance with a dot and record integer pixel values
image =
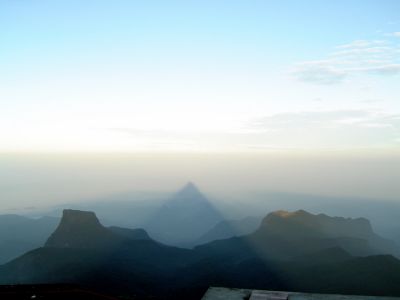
(124, 265)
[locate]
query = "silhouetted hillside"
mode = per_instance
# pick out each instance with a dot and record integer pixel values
(351, 233)
(81, 229)
(132, 234)
(273, 257)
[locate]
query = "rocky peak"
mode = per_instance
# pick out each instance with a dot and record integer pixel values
(80, 229)
(79, 218)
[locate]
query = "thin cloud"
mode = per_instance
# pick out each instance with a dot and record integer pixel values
(395, 34)
(368, 57)
(326, 129)
(319, 72)
(307, 119)
(331, 118)
(332, 129)
(390, 69)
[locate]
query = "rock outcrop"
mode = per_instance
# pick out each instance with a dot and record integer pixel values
(81, 229)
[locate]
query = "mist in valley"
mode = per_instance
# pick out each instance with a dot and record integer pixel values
(127, 189)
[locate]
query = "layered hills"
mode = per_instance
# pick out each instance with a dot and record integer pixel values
(289, 251)
(19, 234)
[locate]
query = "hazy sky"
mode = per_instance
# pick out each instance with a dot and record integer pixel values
(199, 75)
(293, 96)
(42, 179)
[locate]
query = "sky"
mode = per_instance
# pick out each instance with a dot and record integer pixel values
(103, 97)
(36, 181)
(199, 76)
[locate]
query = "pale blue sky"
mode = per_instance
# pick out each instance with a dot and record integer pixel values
(199, 75)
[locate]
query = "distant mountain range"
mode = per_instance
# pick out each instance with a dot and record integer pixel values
(159, 214)
(288, 251)
(141, 209)
(19, 234)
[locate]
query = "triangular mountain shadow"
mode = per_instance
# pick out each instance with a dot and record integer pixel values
(230, 228)
(184, 217)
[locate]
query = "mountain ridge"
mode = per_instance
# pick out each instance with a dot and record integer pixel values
(259, 260)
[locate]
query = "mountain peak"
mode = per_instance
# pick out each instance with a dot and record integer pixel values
(79, 229)
(79, 217)
(288, 214)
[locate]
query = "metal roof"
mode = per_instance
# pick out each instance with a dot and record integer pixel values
(221, 293)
